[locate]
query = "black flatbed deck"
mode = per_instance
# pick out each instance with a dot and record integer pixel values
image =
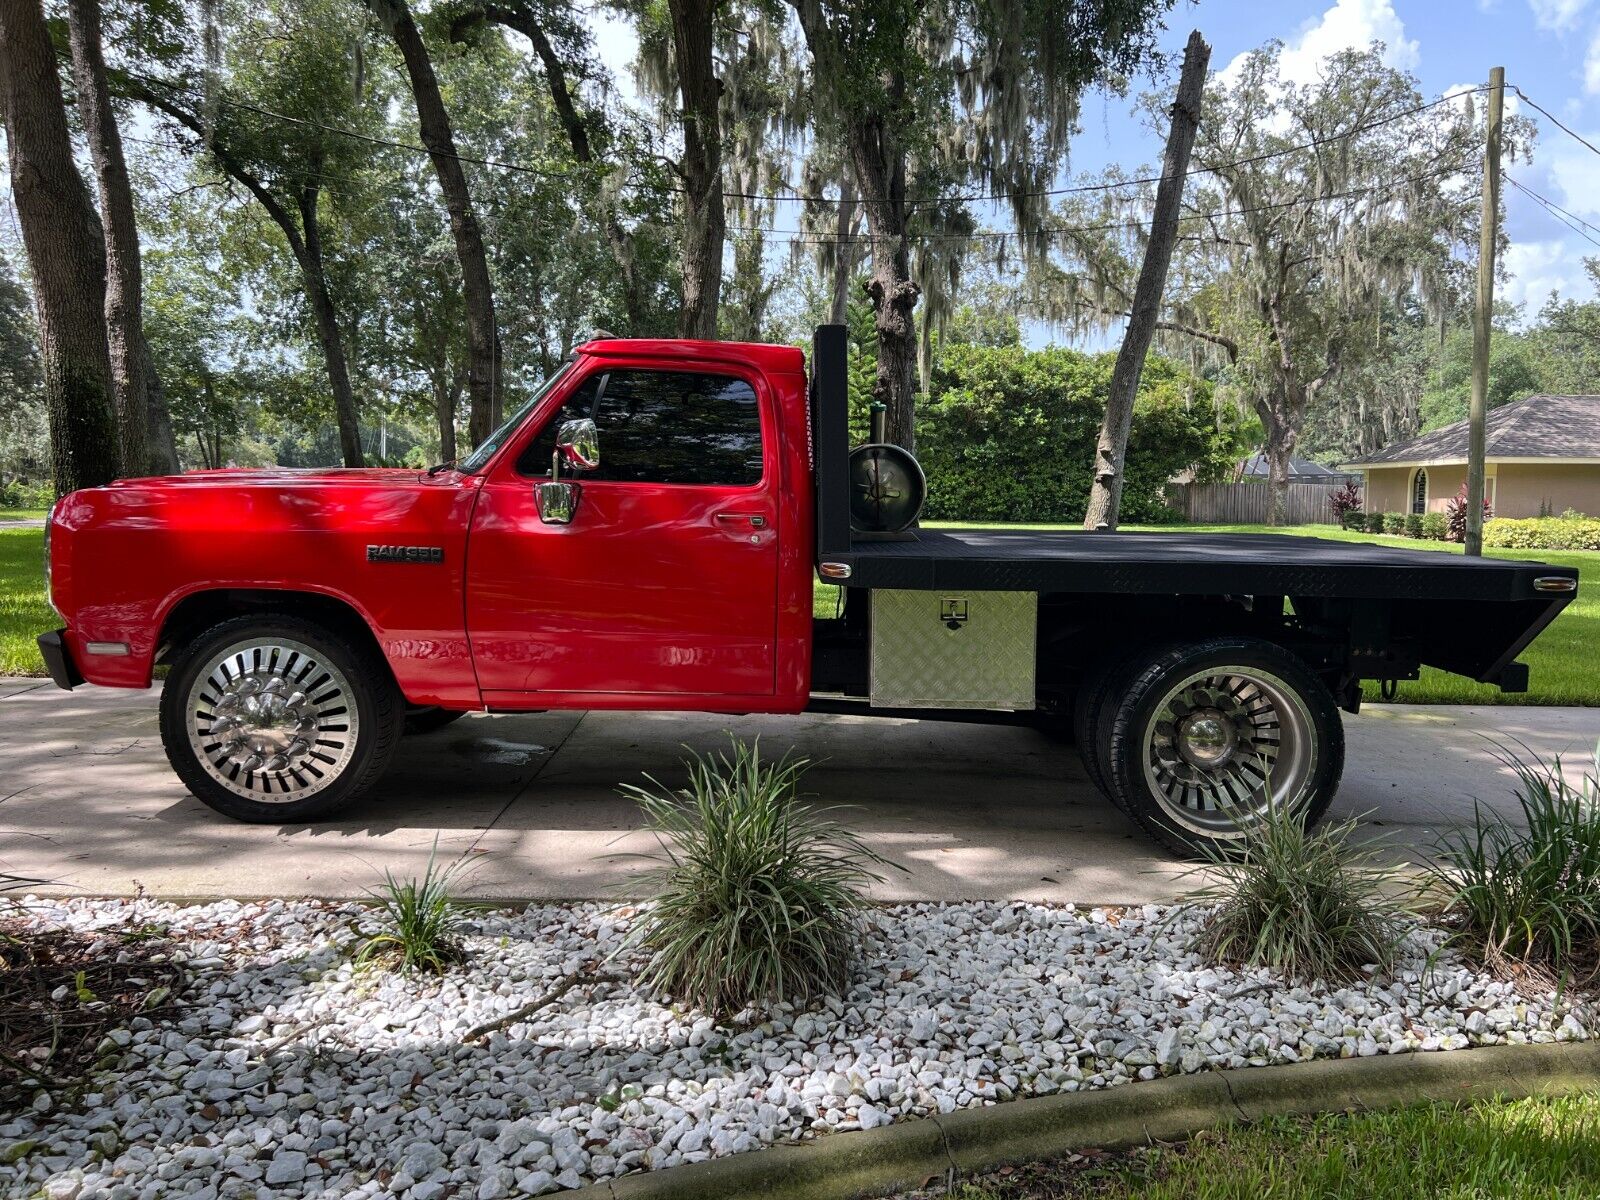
(1261, 564)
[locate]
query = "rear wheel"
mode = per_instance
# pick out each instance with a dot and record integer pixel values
(1091, 720)
(1209, 737)
(275, 719)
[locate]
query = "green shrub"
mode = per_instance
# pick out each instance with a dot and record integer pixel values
(1394, 523)
(423, 922)
(17, 494)
(1008, 434)
(1355, 520)
(1413, 525)
(1374, 522)
(1304, 902)
(1543, 533)
(1528, 892)
(757, 897)
(1433, 526)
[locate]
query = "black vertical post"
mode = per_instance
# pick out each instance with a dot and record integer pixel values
(830, 437)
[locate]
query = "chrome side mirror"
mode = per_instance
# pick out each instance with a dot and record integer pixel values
(578, 445)
(578, 442)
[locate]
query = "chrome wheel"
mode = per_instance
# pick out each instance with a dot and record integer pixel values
(272, 720)
(1224, 745)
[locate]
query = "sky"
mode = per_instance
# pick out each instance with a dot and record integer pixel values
(1550, 48)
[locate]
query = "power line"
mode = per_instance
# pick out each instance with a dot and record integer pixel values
(798, 197)
(803, 236)
(1571, 220)
(1554, 120)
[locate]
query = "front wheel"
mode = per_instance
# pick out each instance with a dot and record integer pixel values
(274, 719)
(1209, 737)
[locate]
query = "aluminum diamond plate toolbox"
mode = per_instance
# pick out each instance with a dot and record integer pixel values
(953, 649)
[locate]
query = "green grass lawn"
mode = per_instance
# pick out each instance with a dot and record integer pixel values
(1492, 1150)
(1561, 662)
(24, 615)
(23, 514)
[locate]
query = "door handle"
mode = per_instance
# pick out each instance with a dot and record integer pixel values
(755, 520)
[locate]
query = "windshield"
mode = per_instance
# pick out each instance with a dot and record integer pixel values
(479, 458)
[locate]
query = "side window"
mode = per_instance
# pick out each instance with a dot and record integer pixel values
(664, 427)
(535, 459)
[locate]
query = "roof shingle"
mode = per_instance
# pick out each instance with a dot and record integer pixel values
(1540, 426)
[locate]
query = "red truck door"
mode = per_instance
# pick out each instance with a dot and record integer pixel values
(666, 579)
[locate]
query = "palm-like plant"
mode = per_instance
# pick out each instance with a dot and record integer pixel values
(423, 924)
(757, 896)
(1528, 893)
(1306, 903)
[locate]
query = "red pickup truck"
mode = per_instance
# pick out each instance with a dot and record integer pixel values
(644, 533)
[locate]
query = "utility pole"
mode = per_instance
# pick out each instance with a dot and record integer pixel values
(1105, 493)
(1483, 314)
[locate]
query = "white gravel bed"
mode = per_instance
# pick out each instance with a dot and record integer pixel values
(291, 1072)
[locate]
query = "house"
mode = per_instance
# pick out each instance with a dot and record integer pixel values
(1541, 455)
(1301, 470)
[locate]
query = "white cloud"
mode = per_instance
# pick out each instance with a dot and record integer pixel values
(1349, 24)
(1535, 269)
(1591, 66)
(1557, 14)
(1576, 173)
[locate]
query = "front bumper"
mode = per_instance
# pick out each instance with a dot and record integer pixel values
(58, 660)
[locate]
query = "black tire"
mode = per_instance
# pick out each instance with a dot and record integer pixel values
(1091, 723)
(427, 719)
(348, 715)
(1280, 727)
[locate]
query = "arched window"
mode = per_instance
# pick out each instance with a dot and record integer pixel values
(1419, 491)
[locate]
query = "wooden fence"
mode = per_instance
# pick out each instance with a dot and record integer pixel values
(1250, 503)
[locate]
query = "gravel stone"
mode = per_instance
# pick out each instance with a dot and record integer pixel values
(287, 1070)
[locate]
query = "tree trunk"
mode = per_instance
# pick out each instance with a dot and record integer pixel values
(1281, 426)
(124, 306)
(328, 332)
(66, 253)
(879, 163)
(307, 252)
(483, 335)
(163, 443)
(446, 395)
(521, 19)
(880, 166)
(1105, 493)
(704, 222)
(844, 256)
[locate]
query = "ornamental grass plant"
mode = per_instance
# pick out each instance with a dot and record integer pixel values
(422, 924)
(1308, 904)
(1526, 893)
(757, 897)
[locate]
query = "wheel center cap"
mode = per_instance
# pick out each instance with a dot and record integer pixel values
(1207, 739)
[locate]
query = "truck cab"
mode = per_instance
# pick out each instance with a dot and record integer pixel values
(645, 532)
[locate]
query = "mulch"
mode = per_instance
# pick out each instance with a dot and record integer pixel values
(62, 991)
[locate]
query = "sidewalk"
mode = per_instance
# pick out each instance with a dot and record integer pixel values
(87, 800)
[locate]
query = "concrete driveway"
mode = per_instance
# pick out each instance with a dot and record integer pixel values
(87, 801)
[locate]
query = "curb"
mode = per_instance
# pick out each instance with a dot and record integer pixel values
(904, 1155)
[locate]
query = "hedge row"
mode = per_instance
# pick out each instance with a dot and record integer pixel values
(1429, 526)
(1543, 533)
(1008, 434)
